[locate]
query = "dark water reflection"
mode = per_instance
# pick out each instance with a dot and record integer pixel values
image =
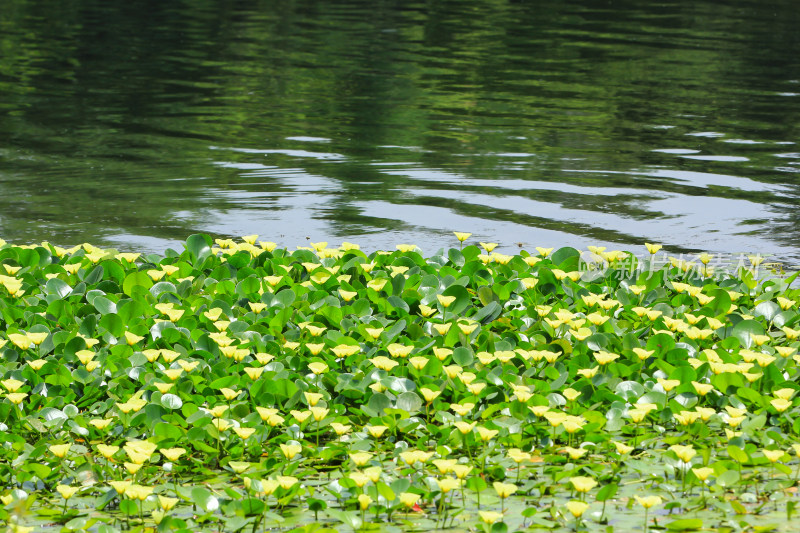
(541, 123)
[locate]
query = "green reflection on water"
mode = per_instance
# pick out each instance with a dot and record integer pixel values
(521, 122)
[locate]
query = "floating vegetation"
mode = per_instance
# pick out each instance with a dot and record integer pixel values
(238, 386)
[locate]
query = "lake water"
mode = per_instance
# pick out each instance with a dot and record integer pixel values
(526, 123)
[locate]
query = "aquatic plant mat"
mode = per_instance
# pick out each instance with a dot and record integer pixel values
(238, 386)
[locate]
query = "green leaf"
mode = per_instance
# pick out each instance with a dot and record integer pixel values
(204, 499)
(409, 402)
(136, 279)
(744, 331)
(171, 401)
(199, 247)
(462, 356)
(58, 287)
(104, 305)
(728, 478)
(685, 524)
(607, 492)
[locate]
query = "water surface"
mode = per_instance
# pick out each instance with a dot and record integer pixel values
(525, 123)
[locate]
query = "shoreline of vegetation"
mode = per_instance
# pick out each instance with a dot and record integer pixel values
(240, 386)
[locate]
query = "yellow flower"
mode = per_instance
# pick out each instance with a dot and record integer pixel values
(345, 350)
(429, 394)
(773, 455)
(374, 332)
(172, 454)
(358, 478)
(36, 364)
(426, 311)
(132, 338)
(687, 418)
(648, 501)
(319, 413)
(244, 433)
(442, 353)
(462, 236)
(467, 329)
(419, 362)
(12, 385)
(652, 248)
(37, 338)
(442, 329)
(487, 434)
(668, 384)
(780, 404)
(120, 486)
(239, 467)
(360, 458)
(791, 334)
(577, 508)
(399, 350)
(290, 451)
(318, 368)
(643, 354)
(340, 429)
(373, 473)
(784, 394)
(218, 411)
(488, 246)
(490, 517)
(555, 418)
(622, 449)
(253, 372)
(376, 431)
(575, 453)
(257, 307)
(106, 450)
(60, 450)
(166, 502)
(445, 466)
(465, 427)
(476, 388)
(377, 284)
(684, 453)
(20, 341)
(66, 491)
(588, 372)
(364, 501)
(451, 371)
(185, 366)
(583, 483)
(447, 484)
(229, 394)
(138, 492)
(705, 412)
(544, 252)
(604, 358)
(571, 394)
(702, 473)
(286, 482)
(17, 397)
(221, 424)
(702, 388)
(446, 301)
(101, 424)
(312, 398)
(518, 456)
(504, 490)
(409, 499)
